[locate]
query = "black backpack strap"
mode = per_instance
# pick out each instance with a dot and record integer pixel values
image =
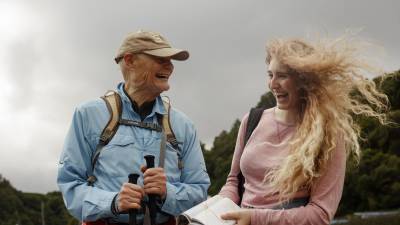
(252, 122)
(141, 124)
(114, 106)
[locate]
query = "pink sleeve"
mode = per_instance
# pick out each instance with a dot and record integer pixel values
(230, 189)
(324, 198)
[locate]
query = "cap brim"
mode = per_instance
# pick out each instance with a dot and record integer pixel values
(173, 53)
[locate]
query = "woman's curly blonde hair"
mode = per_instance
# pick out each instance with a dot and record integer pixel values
(329, 74)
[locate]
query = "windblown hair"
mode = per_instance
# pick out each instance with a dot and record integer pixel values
(329, 73)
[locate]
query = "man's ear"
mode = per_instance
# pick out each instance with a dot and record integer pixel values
(129, 60)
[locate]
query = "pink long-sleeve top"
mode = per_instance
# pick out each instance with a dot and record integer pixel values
(265, 149)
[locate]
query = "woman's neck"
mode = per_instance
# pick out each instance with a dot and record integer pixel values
(289, 116)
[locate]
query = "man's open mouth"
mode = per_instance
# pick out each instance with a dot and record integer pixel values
(162, 76)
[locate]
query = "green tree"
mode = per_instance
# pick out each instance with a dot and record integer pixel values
(220, 156)
(373, 185)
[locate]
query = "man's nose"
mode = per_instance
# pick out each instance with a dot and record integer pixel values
(168, 65)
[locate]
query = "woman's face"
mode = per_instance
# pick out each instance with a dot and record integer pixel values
(283, 85)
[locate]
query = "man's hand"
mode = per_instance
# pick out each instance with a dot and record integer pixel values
(155, 181)
(242, 217)
(129, 197)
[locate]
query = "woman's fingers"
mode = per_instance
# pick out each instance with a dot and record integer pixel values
(242, 217)
(230, 216)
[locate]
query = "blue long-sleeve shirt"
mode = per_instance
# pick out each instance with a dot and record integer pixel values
(123, 155)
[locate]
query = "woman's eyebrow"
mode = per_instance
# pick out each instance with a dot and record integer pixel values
(282, 72)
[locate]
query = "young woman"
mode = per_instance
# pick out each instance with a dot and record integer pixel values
(295, 160)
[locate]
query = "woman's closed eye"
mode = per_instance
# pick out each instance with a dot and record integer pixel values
(282, 75)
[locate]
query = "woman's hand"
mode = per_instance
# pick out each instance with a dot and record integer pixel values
(242, 217)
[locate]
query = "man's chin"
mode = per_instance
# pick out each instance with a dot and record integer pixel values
(166, 88)
(161, 90)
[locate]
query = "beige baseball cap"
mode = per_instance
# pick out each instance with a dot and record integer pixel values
(151, 43)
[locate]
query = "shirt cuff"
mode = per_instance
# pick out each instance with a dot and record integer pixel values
(114, 206)
(108, 200)
(101, 200)
(170, 199)
(160, 202)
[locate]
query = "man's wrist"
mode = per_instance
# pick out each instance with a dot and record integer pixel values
(114, 205)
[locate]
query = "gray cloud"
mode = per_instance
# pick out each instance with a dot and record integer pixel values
(65, 57)
(21, 60)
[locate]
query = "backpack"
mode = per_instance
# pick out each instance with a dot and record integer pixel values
(114, 106)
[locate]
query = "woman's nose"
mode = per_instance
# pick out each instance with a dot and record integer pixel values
(273, 83)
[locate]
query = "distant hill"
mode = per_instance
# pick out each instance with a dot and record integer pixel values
(373, 185)
(21, 208)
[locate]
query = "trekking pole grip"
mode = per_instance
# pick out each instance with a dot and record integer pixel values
(152, 197)
(149, 161)
(133, 177)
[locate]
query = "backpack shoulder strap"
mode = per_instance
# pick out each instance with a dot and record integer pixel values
(252, 122)
(114, 106)
(169, 133)
(166, 124)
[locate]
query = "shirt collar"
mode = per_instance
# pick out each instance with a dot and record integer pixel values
(158, 106)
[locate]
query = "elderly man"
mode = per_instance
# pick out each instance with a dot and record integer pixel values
(93, 169)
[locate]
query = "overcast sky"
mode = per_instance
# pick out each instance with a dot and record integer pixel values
(57, 54)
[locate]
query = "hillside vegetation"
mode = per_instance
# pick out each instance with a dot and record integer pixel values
(21, 208)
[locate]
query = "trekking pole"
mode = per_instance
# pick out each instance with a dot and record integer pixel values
(152, 197)
(133, 177)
